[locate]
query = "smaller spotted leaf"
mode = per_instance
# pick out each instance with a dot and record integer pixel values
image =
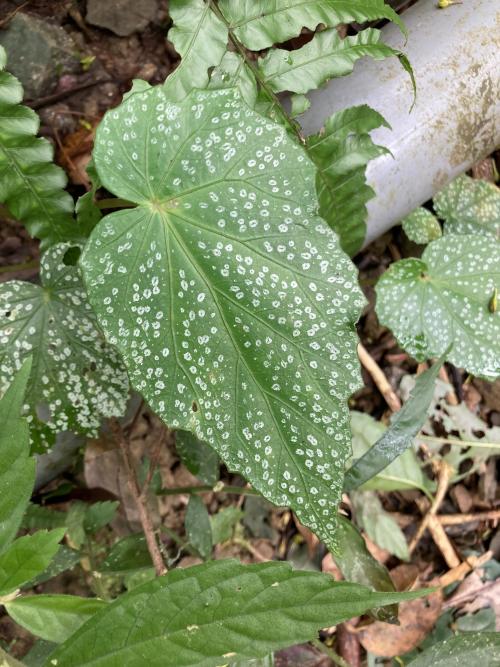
(443, 300)
(470, 206)
(76, 378)
(231, 301)
(421, 226)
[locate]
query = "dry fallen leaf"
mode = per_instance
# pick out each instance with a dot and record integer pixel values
(416, 618)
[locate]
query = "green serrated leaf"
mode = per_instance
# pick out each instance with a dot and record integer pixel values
(27, 557)
(31, 185)
(223, 524)
(53, 617)
(470, 206)
(65, 559)
(76, 378)
(403, 473)
(198, 528)
(444, 299)
(326, 56)
(358, 565)
(378, 524)
(421, 226)
(231, 302)
(198, 457)
(200, 38)
(17, 468)
(39, 516)
(99, 515)
(259, 24)
(405, 425)
(341, 151)
(233, 72)
(127, 555)
(205, 615)
(471, 648)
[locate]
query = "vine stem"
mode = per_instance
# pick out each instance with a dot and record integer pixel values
(333, 655)
(139, 497)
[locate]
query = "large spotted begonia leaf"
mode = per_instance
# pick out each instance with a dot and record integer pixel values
(231, 301)
(445, 299)
(76, 378)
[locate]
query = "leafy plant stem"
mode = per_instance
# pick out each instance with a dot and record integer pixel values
(206, 488)
(289, 123)
(333, 655)
(146, 522)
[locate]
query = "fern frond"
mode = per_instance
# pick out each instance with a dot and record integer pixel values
(31, 185)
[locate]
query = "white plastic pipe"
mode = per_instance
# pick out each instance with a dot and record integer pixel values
(455, 121)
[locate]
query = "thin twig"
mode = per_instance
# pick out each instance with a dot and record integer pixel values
(442, 541)
(459, 573)
(146, 522)
(458, 442)
(459, 519)
(379, 378)
(13, 268)
(444, 475)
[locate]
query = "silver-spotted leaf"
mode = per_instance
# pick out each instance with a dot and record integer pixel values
(421, 226)
(326, 56)
(76, 378)
(230, 300)
(200, 38)
(443, 300)
(208, 615)
(259, 24)
(341, 151)
(470, 206)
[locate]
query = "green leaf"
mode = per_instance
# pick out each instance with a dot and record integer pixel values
(223, 524)
(233, 71)
(341, 151)
(17, 469)
(38, 654)
(198, 528)
(231, 302)
(300, 104)
(39, 516)
(470, 206)
(405, 425)
(358, 565)
(99, 515)
(198, 457)
(259, 24)
(76, 378)
(204, 615)
(378, 524)
(421, 226)
(87, 212)
(53, 617)
(65, 559)
(27, 557)
(31, 185)
(403, 473)
(200, 38)
(326, 56)
(128, 554)
(74, 524)
(471, 648)
(444, 299)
